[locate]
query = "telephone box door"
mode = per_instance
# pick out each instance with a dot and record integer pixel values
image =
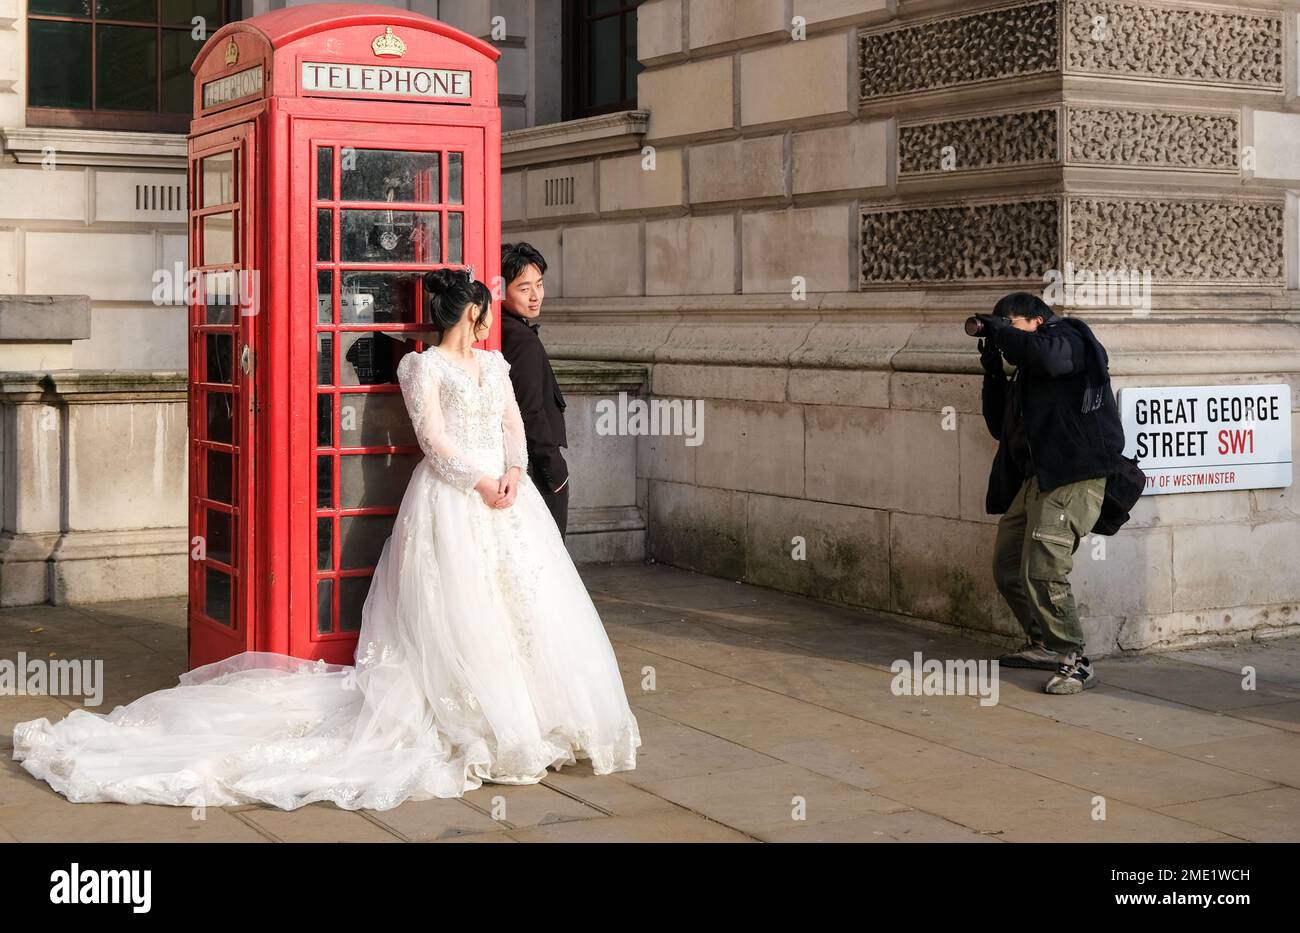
(379, 206)
(222, 350)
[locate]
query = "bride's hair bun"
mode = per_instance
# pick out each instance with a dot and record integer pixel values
(451, 291)
(443, 280)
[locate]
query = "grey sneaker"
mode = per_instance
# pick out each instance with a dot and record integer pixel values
(1032, 654)
(1073, 676)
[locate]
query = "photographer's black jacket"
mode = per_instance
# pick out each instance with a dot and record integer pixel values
(1065, 444)
(540, 401)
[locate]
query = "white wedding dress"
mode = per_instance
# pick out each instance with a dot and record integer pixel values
(480, 656)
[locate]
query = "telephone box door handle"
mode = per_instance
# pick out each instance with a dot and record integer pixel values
(246, 360)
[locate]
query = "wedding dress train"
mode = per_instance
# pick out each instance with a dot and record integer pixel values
(480, 656)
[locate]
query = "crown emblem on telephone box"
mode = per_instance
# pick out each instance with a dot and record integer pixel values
(388, 44)
(232, 52)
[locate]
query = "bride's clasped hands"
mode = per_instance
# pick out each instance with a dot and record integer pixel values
(500, 493)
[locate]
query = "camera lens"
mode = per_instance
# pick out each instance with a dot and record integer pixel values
(974, 326)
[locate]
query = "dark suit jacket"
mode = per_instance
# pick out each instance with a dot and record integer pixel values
(540, 401)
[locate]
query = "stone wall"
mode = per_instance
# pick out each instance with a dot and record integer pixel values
(93, 481)
(806, 219)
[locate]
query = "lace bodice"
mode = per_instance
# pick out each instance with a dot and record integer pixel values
(466, 430)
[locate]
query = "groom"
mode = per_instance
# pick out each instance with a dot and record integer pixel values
(540, 402)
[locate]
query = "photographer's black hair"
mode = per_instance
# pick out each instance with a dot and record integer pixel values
(1022, 304)
(516, 257)
(451, 291)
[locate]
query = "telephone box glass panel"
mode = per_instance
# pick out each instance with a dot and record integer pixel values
(389, 175)
(218, 238)
(220, 297)
(218, 179)
(389, 236)
(379, 298)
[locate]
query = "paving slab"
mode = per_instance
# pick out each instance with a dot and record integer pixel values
(1262, 816)
(650, 672)
(519, 806)
(1278, 715)
(1273, 757)
(680, 826)
(1273, 660)
(1139, 718)
(756, 800)
(903, 826)
(1017, 806)
(318, 822)
(436, 820)
(609, 793)
(1175, 678)
(56, 820)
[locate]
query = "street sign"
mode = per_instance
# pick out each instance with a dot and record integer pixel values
(1201, 438)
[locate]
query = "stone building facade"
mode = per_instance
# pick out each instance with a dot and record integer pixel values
(801, 257)
(789, 225)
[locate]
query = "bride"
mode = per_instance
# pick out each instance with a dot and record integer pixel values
(480, 655)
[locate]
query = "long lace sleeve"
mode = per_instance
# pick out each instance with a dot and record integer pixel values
(420, 392)
(512, 422)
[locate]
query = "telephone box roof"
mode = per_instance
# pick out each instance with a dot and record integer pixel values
(280, 27)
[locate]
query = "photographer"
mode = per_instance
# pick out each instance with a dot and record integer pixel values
(1059, 435)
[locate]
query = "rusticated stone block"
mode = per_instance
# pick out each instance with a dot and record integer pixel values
(1196, 45)
(1221, 241)
(1000, 241)
(981, 142)
(1185, 44)
(953, 51)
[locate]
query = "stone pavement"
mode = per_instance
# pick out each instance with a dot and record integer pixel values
(771, 718)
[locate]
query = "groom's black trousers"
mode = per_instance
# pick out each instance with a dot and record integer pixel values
(557, 502)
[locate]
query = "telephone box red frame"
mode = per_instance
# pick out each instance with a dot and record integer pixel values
(259, 456)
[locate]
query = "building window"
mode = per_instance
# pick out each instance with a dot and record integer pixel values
(116, 64)
(600, 64)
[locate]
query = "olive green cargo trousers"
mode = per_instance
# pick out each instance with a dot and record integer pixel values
(1034, 554)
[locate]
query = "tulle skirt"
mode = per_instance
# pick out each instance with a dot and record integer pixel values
(480, 659)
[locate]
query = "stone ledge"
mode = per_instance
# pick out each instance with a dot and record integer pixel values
(603, 546)
(573, 375)
(27, 546)
(588, 376)
(121, 148)
(920, 341)
(605, 519)
(918, 300)
(574, 139)
(44, 318)
(95, 385)
(92, 566)
(128, 542)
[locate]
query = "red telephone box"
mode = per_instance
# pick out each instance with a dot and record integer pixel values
(338, 151)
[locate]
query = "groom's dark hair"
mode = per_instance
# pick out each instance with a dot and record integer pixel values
(516, 257)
